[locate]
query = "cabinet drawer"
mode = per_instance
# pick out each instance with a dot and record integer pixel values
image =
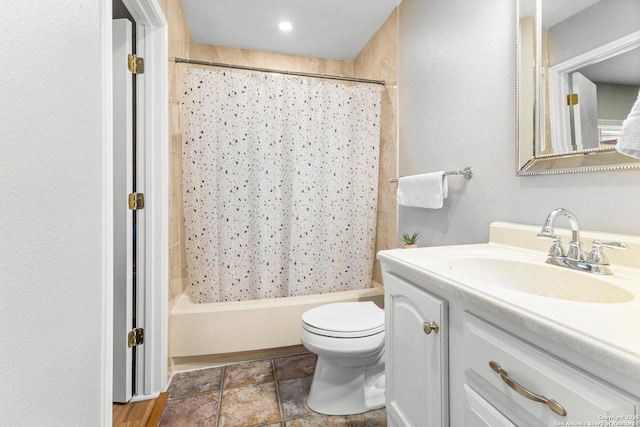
(583, 397)
(480, 413)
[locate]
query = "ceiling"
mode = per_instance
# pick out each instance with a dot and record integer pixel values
(333, 29)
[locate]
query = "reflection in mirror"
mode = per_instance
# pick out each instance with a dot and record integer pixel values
(578, 77)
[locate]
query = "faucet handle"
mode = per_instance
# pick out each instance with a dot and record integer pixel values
(597, 256)
(612, 245)
(556, 250)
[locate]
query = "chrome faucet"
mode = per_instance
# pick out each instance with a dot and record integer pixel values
(595, 262)
(575, 252)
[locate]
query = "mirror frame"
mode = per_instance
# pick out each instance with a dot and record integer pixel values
(590, 160)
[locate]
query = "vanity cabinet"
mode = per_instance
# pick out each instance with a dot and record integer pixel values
(521, 342)
(474, 372)
(416, 355)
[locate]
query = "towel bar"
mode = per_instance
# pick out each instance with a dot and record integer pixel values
(467, 172)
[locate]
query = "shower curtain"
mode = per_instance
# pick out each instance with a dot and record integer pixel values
(280, 179)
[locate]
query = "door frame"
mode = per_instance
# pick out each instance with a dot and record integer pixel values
(153, 133)
(559, 85)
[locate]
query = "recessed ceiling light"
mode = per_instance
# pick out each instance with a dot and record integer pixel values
(285, 26)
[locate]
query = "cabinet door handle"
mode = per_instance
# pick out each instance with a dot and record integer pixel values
(430, 327)
(552, 404)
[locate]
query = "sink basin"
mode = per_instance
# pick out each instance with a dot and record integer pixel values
(540, 279)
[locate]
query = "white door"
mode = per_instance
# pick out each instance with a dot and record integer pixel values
(123, 254)
(585, 113)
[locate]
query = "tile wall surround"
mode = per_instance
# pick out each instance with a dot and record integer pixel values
(377, 60)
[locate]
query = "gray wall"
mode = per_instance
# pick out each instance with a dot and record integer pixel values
(456, 69)
(602, 23)
(615, 101)
(51, 214)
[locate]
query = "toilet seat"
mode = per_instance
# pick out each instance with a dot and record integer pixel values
(345, 320)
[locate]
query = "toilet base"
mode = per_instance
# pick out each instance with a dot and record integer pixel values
(338, 390)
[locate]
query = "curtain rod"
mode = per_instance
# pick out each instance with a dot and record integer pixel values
(270, 70)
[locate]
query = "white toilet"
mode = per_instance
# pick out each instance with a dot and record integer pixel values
(348, 338)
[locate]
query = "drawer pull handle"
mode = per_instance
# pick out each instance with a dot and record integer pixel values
(430, 327)
(552, 404)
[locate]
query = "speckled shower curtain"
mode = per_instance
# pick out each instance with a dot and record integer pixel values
(280, 178)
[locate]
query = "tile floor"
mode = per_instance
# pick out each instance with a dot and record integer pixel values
(266, 393)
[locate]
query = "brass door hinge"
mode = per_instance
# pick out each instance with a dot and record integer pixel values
(136, 65)
(136, 201)
(572, 99)
(135, 337)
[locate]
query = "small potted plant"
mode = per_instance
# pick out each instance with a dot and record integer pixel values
(410, 241)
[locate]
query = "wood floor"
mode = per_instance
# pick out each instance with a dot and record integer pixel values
(145, 413)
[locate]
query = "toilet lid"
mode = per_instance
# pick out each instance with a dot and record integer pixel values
(345, 319)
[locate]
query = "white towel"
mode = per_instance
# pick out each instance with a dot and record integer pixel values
(423, 191)
(629, 140)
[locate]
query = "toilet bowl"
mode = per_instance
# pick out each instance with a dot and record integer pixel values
(348, 338)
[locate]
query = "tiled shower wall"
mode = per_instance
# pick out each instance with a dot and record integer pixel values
(376, 61)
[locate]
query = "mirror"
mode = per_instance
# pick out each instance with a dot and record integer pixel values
(578, 75)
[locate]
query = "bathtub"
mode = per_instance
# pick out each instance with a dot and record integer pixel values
(210, 329)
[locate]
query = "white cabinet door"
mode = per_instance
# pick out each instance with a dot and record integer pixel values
(416, 371)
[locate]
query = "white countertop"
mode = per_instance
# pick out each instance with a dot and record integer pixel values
(606, 332)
